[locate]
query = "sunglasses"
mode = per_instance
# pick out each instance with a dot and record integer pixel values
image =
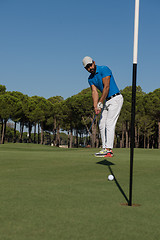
(89, 65)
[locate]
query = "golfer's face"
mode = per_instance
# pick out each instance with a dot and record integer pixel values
(91, 67)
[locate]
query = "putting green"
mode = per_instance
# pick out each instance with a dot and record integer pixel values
(64, 194)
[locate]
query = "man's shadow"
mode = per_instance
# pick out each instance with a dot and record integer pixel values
(109, 164)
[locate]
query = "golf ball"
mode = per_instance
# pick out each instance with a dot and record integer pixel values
(110, 177)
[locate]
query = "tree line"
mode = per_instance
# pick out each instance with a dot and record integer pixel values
(46, 118)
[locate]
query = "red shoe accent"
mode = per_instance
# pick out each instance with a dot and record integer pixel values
(108, 155)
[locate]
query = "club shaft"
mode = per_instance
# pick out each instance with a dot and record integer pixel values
(92, 123)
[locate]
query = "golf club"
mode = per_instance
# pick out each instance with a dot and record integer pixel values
(89, 130)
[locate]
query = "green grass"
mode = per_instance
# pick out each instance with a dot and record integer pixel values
(50, 193)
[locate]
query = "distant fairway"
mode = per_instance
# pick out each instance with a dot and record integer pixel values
(50, 193)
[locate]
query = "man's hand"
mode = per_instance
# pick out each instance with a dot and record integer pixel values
(98, 108)
(97, 111)
(97, 105)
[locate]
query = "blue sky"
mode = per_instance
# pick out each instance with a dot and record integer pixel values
(43, 42)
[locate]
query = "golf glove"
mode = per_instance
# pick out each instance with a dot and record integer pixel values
(99, 105)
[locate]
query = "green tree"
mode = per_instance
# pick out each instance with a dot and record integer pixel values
(43, 112)
(79, 114)
(56, 119)
(2, 89)
(28, 109)
(152, 109)
(124, 120)
(18, 116)
(8, 106)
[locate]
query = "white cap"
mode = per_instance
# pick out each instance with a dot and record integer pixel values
(86, 60)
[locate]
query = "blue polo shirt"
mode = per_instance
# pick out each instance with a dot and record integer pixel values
(96, 80)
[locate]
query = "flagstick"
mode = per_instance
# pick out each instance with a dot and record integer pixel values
(135, 51)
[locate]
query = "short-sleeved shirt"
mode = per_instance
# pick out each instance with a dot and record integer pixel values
(96, 80)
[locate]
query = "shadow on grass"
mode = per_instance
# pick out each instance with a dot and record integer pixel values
(109, 164)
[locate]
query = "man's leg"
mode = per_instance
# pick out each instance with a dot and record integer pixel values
(102, 127)
(102, 124)
(107, 125)
(114, 108)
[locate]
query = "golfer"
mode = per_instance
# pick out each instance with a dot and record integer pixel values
(109, 105)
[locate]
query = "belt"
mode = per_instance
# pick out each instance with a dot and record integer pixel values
(112, 96)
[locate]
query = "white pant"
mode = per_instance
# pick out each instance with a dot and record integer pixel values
(108, 120)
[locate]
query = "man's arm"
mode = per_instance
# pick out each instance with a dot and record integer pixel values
(106, 84)
(95, 97)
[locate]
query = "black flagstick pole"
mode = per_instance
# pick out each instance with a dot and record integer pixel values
(135, 51)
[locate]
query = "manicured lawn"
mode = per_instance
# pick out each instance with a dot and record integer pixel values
(63, 194)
